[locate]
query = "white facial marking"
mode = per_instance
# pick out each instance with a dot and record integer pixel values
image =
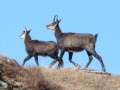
(22, 36)
(51, 27)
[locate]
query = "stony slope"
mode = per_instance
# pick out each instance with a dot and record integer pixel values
(39, 78)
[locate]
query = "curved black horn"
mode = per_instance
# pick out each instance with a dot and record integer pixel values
(25, 28)
(54, 18)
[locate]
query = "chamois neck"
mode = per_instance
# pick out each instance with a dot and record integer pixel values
(58, 32)
(27, 39)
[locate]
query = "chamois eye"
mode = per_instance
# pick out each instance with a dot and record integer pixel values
(23, 32)
(53, 24)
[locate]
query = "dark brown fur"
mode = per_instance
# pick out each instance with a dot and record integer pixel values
(40, 48)
(74, 42)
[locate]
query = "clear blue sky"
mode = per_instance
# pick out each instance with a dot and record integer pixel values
(80, 16)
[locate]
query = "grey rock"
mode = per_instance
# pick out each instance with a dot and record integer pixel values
(3, 84)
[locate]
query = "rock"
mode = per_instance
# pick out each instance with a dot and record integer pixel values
(3, 84)
(17, 84)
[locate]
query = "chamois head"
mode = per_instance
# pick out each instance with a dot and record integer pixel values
(53, 25)
(24, 33)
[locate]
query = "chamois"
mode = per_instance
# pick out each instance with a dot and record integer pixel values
(35, 48)
(74, 42)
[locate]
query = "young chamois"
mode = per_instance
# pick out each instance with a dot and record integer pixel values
(35, 48)
(74, 42)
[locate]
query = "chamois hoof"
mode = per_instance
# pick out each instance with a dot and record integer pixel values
(85, 68)
(49, 66)
(57, 68)
(104, 69)
(77, 66)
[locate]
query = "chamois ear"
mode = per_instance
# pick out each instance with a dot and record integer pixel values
(59, 21)
(29, 31)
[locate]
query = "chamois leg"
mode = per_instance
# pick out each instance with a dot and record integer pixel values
(56, 58)
(52, 63)
(26, 59)
(94, 53)
(90, 59)
(36, 60)
(70, 59)
(60, 59)
(60, 64)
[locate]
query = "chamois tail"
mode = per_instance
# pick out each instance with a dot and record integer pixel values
(96, 35)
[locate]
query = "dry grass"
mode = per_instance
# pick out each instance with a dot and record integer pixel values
(39, 78)
(71, 79)
(29, 77)
(37, 81)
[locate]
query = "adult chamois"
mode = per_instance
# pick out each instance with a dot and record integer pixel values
(74, 42)
(35, 48)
